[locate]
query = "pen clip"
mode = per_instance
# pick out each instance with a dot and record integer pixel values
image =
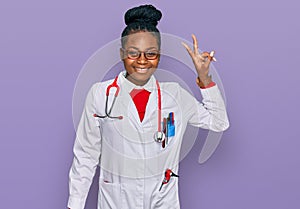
(171, 116)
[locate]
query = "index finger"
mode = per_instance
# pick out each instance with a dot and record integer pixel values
(188, 49)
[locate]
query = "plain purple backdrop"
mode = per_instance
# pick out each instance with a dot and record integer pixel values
(43, 46)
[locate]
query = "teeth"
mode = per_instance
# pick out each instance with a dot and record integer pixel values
(141, 69)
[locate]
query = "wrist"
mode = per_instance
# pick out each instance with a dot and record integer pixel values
(204, 81)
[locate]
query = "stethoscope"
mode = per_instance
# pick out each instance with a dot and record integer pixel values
(159, 136)
(107, 113)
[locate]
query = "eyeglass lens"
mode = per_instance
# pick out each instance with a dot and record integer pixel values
(135, 54)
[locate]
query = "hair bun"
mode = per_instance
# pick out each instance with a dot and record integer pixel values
(145, 13)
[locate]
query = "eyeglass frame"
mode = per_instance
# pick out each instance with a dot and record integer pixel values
(140, 53)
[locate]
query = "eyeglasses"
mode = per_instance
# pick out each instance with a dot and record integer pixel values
(136, 54)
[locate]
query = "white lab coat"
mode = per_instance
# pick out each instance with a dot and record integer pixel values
(132, 164)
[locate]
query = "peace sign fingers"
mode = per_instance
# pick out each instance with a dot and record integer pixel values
(201, 61)
(195, 47)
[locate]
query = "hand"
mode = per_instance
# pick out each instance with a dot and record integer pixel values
(201, 61)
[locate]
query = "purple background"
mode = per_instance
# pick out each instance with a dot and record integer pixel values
(43, 46)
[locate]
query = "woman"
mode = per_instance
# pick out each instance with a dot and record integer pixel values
(136, 137)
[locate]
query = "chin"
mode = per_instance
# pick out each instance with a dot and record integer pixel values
(138, 80)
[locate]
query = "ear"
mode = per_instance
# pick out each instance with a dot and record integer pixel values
(122, 54)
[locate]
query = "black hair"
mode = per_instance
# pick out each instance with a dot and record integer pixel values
(142, 18)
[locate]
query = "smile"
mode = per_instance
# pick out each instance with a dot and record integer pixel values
(141, 70)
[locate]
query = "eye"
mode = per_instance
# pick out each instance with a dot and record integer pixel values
(132, 53)
(151, 54)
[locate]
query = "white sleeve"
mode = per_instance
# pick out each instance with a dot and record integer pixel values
(210, 113)
(86, 150)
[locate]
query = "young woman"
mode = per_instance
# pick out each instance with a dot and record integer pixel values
(132, 126)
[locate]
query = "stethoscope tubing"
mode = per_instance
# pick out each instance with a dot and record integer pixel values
(159, 135)
(159, 107)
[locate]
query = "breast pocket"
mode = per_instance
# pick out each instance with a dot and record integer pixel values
(168, 126)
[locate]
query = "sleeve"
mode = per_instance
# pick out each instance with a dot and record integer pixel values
(210, 113)
(86, 150)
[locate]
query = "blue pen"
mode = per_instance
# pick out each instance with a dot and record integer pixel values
(171, 125)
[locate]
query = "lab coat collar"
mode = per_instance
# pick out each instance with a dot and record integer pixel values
(129, 86)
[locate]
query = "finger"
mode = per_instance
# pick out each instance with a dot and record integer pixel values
(208, 59)
(209, 56)
(188, 48)
(196, 50)
(205, 56)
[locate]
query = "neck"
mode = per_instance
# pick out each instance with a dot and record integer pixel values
(136, 82)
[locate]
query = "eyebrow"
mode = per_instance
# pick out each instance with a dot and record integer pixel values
(132, 47)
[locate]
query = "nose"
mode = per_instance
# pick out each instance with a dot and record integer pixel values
(142, 59)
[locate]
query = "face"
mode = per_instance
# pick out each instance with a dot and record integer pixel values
(140, 69)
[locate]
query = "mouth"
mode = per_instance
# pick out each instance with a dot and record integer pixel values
(142, 70)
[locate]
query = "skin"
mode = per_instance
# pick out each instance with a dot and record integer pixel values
(140, 70)
(144, 41)
(201, 62)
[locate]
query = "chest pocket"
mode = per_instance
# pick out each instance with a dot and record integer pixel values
(168, 127)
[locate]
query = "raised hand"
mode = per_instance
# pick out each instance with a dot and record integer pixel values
(201, 61)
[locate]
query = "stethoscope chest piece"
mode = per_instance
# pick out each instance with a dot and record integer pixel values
(159, 136)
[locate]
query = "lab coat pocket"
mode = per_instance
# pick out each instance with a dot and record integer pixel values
(109, 194)
(130, 196)
(168, 195)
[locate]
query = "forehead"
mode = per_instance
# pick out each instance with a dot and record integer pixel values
(141, 41)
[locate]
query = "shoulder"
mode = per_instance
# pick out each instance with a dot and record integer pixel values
(169, 85)
(173, 87)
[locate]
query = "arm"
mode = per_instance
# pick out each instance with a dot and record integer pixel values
(208, 114)
(86, 150)
(211, 113)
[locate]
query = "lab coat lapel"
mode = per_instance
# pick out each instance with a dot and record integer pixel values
(151, 106)
(128, 105)
(133, 112)
(152, 101)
